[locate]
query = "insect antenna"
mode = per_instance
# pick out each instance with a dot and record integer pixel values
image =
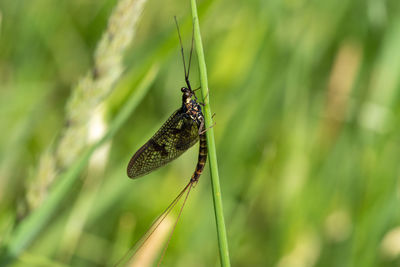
(153, 227)
(189, 186)
(190, 54)
(183, 54)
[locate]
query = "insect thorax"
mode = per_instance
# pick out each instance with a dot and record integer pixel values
(193, 109)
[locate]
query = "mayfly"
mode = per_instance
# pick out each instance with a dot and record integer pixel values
(180, 132)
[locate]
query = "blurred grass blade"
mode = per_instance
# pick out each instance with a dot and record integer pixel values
(29, 228)
(90, 92)
(212, 153)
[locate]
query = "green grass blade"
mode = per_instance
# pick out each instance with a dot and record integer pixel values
(212, 154)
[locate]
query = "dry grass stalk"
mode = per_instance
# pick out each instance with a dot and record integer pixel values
(88, 94)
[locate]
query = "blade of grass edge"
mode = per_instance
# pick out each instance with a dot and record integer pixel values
(212, 154)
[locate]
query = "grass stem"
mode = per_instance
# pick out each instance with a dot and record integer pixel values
(212, 154)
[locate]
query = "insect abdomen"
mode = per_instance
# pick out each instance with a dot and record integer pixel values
(202, 158)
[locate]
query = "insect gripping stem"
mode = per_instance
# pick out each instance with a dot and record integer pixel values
(181, 131)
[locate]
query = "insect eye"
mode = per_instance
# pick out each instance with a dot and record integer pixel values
(183, 89)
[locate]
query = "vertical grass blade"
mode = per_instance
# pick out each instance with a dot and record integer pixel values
(212, 154)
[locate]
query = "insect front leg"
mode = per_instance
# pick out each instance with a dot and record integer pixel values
(203, 104)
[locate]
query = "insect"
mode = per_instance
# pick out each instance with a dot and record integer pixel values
(180, 132)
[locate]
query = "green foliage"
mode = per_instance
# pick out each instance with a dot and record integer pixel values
(307, 121)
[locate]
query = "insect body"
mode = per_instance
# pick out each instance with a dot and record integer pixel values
(181, 131)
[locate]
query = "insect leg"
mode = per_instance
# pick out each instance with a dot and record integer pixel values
(201, 128)
(200, 103)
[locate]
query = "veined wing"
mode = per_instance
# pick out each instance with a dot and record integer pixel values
(174, 137)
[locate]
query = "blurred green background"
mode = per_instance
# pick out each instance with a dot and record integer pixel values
(306, 96)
